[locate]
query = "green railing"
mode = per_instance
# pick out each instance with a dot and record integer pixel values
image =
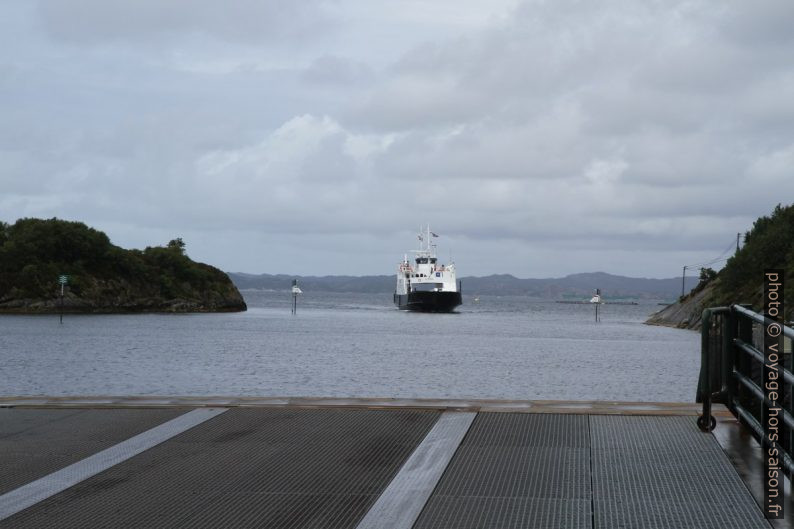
(731, 371)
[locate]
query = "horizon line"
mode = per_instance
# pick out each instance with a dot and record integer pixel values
(688, 278)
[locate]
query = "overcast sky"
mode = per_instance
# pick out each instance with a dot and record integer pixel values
(538, 138)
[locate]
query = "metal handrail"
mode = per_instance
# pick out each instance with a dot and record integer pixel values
(788, 420)
(747, 418)
(737, 349)
(788, 377)
(760, 318)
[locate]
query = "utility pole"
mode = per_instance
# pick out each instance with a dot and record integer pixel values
(737, 242)
(683, 278)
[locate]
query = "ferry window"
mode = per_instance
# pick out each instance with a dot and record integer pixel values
(433, 260)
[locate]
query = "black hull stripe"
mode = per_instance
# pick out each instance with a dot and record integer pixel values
(428, 301)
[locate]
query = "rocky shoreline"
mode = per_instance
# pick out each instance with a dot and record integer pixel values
(119, 296)
(78, 306)
(683, 314)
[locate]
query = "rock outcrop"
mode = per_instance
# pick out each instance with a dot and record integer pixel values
(120, 296)
(686, 313)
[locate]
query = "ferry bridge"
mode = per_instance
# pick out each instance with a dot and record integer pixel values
(398, 464)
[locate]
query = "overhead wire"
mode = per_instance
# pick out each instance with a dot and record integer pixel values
(717, 259)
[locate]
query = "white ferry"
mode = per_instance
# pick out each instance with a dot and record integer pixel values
(426, 285)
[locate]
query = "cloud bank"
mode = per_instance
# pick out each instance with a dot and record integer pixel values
(540, 138)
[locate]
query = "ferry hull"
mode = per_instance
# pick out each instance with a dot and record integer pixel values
(428, 301)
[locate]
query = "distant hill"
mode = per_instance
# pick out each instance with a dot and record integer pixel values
(575, 286)
(309, 283)
(103, 277)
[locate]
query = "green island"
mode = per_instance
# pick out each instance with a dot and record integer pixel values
(102, 277)
(769, 244)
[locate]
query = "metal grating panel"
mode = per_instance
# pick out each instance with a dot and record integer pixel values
(402, 501)
(516, 470)
(37, 442)
(662, 473)
(45, 487)
(283, 511)
(635, 433)
(529, 472)
(275, 468)
(292, 468)
(14, 421)
(474, 512)
(529, 429)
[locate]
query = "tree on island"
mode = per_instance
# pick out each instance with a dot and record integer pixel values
(103, 276)
(177, 243)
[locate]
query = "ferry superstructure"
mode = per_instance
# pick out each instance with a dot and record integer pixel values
(424, 284)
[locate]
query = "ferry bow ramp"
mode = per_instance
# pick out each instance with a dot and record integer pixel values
(364, 463)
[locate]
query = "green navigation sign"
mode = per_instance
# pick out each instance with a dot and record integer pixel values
(62, 279)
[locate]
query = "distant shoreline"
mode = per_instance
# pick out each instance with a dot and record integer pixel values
(48, 312)
(572, 287)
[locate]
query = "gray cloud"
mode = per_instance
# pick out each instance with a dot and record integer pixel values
(766, 24)
(569, 136)
(95, 21)
(335, 70)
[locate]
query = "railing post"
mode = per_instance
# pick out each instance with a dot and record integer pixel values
(744, 364)
(705, 422)
(729, 358)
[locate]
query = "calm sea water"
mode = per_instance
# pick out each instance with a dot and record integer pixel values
(356, 345)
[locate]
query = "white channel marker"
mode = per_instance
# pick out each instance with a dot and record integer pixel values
(27, 495)
(403, 500)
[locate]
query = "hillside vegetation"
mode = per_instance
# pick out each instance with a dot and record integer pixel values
(768, 244)
(103, 277)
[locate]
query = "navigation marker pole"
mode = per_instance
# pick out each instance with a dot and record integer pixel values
(295, 292)
(596, 300)
(62, 279)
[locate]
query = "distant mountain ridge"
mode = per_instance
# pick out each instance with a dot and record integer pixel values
(569, 287)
